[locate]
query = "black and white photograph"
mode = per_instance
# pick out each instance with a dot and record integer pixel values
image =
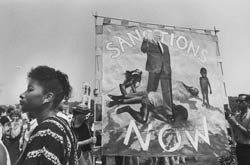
(122, 82)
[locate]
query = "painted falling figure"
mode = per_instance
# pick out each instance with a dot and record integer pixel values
(150, 102)
(132, 80)
(204, 83)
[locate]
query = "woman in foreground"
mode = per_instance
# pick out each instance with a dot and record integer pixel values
(52, 141)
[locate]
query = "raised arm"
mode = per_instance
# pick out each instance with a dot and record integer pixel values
(144, 45)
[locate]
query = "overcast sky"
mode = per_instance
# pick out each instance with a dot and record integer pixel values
(60, 33)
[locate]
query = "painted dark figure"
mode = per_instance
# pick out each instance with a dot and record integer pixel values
(205, 84)
(132, 80)
(151, 104)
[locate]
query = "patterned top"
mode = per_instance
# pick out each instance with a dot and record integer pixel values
(51, 143)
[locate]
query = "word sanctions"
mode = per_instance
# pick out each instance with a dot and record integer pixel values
(121, 43)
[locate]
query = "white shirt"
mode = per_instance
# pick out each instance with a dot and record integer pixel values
(161, 47)
(33, 124)
(68, 118)
(162, 51)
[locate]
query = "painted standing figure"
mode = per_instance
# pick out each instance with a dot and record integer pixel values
(204, 83)
(159, 68)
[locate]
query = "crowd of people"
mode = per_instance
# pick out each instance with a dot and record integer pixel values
(39, 131)
(14, 128)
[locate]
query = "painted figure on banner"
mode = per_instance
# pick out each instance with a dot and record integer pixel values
(205, 84)
(151, 105)
(132, 80)
(158, 67)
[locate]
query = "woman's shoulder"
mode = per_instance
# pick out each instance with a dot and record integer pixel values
(54, 124)
(50, 129)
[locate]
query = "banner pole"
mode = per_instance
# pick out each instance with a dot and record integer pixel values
(94, 134)
(170, 26)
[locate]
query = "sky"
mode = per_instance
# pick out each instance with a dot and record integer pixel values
(60, 33)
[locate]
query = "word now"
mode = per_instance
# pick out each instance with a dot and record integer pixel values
(145, 144)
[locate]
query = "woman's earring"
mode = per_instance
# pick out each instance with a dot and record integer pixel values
(45, 101)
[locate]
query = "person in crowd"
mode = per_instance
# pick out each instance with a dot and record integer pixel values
(205, 84)
(16, 123)
(5, 127)
(240, 124)
(62, 113)
(10, 110)
(52, 141)
(28, 127)
(159, 68)
(81, 126)
(12, 135)
(2, 111)
(1, 131)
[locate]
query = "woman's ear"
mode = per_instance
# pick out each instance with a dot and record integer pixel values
(48, 97)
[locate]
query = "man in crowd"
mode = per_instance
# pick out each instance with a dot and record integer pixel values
(240, 124)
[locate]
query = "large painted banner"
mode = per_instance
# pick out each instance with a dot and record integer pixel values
(162, 92)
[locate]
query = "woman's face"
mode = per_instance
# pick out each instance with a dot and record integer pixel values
(32, 99)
